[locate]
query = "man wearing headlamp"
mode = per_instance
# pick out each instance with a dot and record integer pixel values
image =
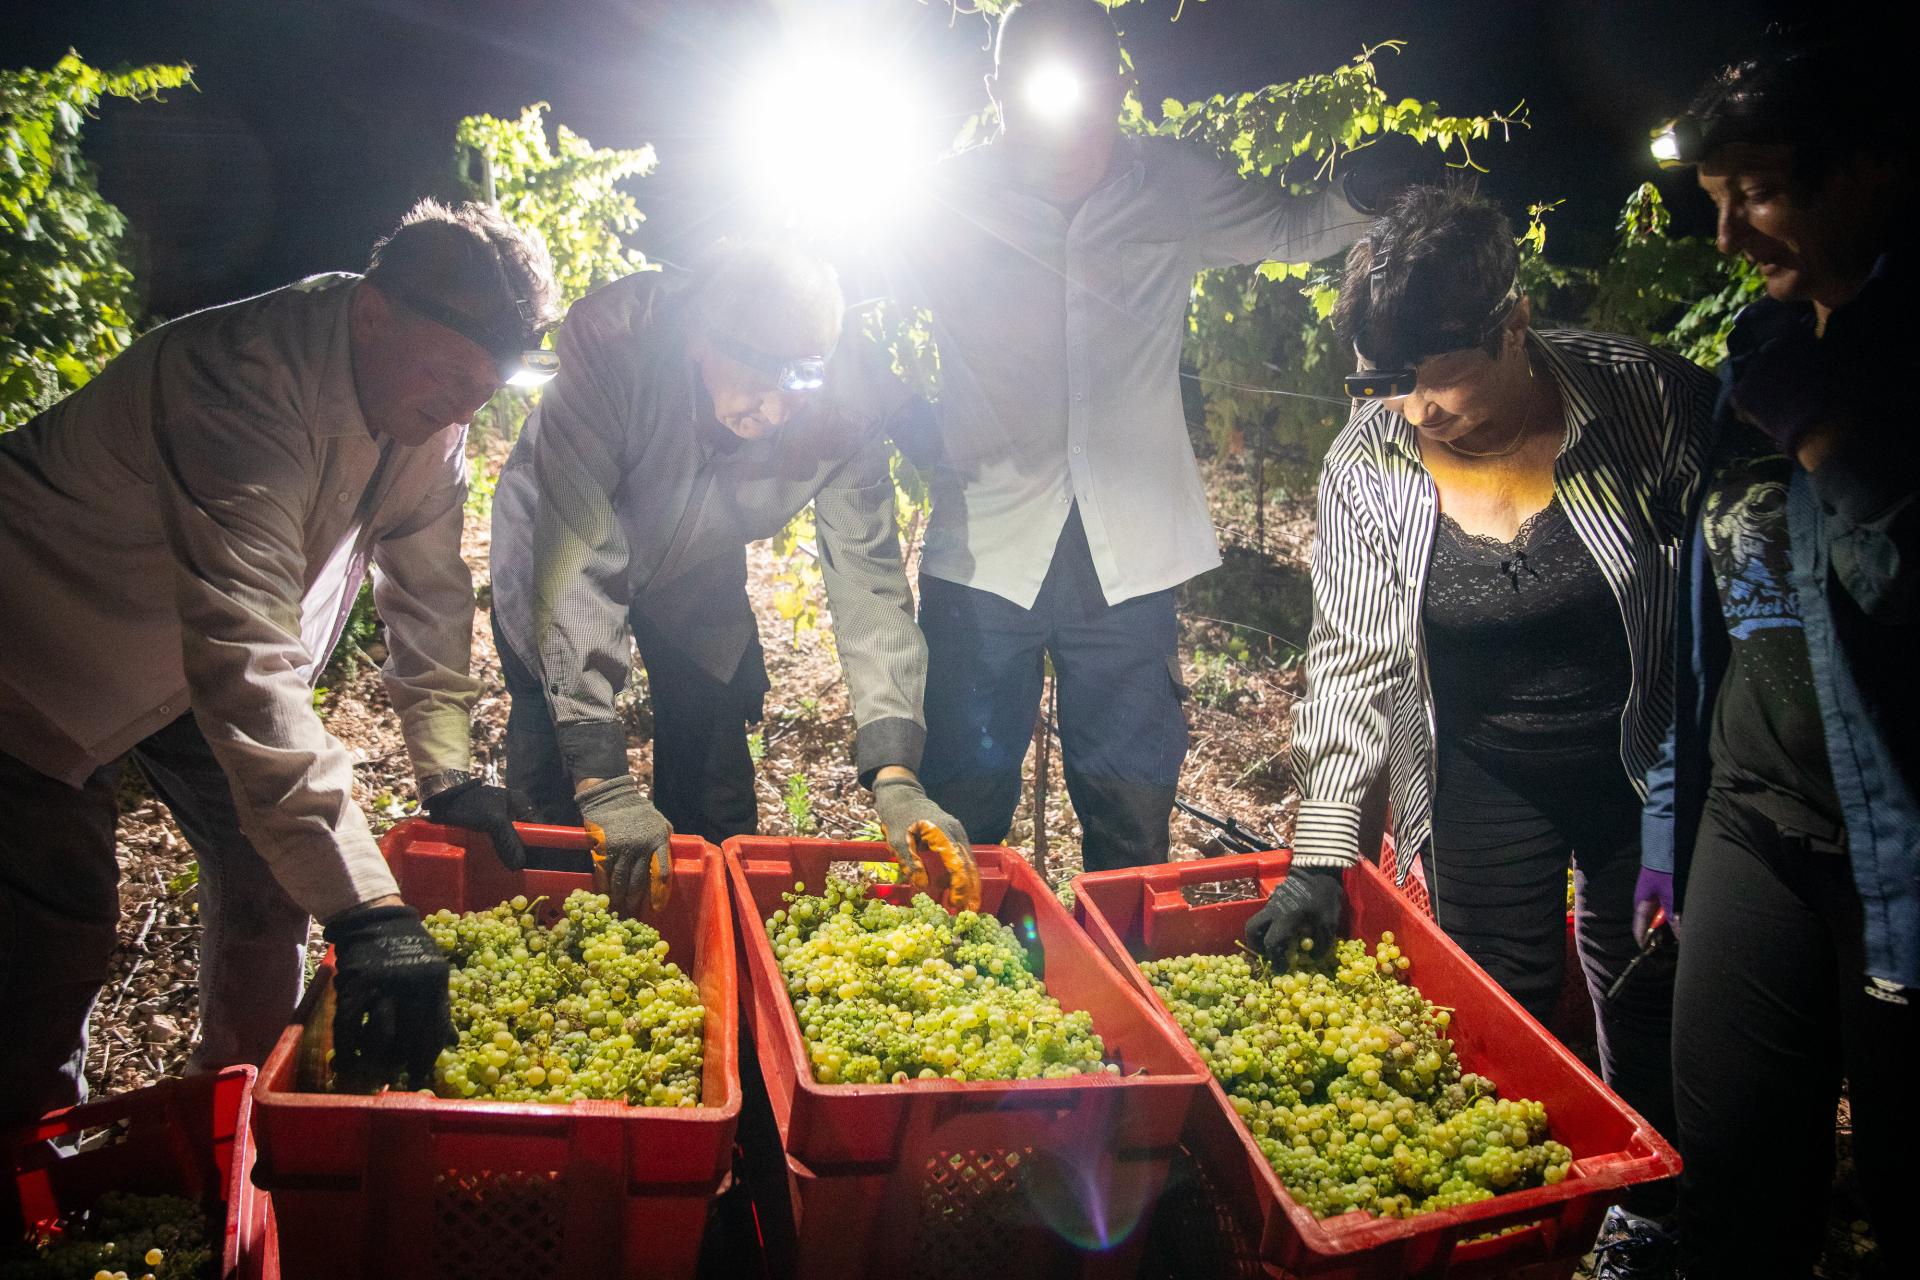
(1067, 503)
(184, 537)
(696, 412)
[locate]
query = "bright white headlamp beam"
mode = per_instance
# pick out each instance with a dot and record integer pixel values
(829, 136)
(1054, 91)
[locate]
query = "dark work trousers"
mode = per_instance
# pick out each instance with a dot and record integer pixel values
(60, 902)
(1771, 1011)
(1506, 824)
(702, 771)
(1123, 731)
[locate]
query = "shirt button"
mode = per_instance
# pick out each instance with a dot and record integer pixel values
(1079, 396)
(1076, 448)
(343, 495)
(166, 709)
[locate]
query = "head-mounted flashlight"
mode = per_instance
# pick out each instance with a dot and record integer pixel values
(1054, 91)
(796, 373)
(1676, 144)
(519, 361)
(1391, 384)
(1380, 384)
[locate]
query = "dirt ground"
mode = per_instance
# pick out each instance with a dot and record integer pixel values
(1243, 629)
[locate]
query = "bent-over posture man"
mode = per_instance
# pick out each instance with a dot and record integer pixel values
(184, 537)
(694, 413)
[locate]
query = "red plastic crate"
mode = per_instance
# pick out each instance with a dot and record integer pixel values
(190, 1138)
(973, 1178)
(404, 1184)
(1142, 913)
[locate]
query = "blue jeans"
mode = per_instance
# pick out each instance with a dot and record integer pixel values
(1123, 731)
(60, 906)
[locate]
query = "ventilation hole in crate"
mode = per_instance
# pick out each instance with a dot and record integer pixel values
(1193, 1234)
(972, 1209)
(1200, 895)
(504, 1225)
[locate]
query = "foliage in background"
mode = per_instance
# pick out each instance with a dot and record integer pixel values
(67, 301)
(1680, 293)
(1258, 343)
(567, 191)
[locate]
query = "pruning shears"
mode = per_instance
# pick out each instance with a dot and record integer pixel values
(1657, 937)
(1235, 836)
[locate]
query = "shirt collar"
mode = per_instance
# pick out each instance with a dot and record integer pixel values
(337, 412)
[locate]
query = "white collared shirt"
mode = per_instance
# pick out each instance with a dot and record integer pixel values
(1059, 341)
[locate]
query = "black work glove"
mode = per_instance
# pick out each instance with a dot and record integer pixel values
(1787, 388)
(917, 830)
(1311, 903)
(631, 844)
(390, 1018)
(1377, 173)
(490, 810)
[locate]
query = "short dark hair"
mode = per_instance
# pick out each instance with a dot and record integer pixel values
(1079, 27)
(470, 259)
(1812, 95)
(1430, 276)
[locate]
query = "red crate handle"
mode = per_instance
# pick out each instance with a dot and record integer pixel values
(547, 835)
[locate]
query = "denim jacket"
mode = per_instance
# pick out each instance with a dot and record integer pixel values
(1854, 539)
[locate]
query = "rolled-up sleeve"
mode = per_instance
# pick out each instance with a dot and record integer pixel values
(581, 591)
(424, 592)
(1353, 658)
(233, 484)
(881, 649)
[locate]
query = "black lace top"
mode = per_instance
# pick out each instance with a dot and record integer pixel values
(1525, 643)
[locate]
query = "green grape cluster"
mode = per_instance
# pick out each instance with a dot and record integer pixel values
(589, 1007)
(125, 1237)
(888, 994)
(1350, 1086)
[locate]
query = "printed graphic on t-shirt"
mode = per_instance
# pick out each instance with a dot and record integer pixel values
(1746, 527)
(1768, 741)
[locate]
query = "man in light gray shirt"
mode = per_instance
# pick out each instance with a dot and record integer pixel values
(184, 537)
(1067, 505)
(695, 412)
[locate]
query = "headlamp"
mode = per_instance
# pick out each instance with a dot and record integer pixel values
(519, 360)
(1392, 383)
(1054, 91)
(534, 367)
(1380, 384)
(1676, 144)
(795, 373)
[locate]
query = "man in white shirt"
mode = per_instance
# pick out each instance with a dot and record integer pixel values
(1067, 505)
(184, 537)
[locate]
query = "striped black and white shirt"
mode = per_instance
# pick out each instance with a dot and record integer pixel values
(1638, 423)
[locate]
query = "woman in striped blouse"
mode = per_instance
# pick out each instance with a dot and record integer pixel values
(1493, 583)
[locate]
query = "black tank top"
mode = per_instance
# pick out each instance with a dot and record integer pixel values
(1525, 643)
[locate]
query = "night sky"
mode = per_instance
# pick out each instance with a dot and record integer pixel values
(318, 121)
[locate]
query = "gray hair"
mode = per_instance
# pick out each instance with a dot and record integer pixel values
(777, 296)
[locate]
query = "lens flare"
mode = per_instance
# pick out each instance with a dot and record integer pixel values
(829, 136)
(1055, 92)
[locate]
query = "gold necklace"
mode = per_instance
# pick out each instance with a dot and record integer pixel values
(1511, 446)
